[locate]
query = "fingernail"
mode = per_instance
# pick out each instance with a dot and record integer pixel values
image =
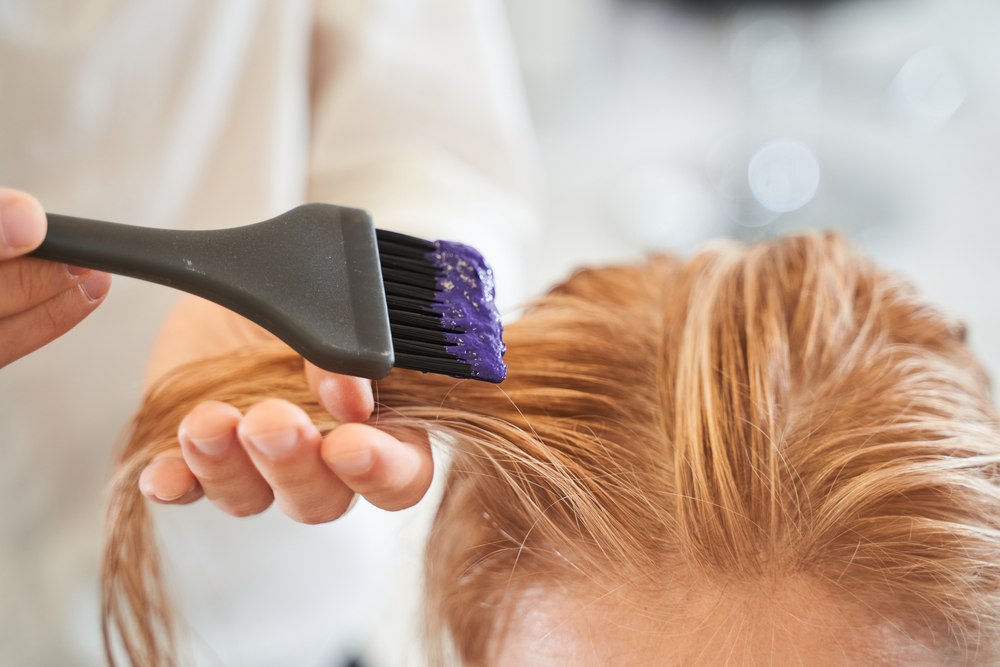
(212, 446)
(77, 271)
(97, 285)
(353, 463)
(20, 224)
(164, 498)
(275, 443)
(172, 492)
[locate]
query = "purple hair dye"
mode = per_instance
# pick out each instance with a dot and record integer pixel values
(467, 280)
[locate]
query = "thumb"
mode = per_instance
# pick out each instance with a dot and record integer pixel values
(346, 398)
(22, 223)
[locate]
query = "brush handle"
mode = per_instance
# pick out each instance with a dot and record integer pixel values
(310, 276)
(162, 256)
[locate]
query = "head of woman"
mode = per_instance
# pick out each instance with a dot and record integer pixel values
(767, 455)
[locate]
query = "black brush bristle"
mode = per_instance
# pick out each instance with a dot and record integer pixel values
(418, 335)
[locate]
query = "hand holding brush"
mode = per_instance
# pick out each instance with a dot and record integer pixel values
(39, 301)
(348, 298)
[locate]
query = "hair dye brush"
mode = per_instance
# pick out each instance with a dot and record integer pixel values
(349, 298)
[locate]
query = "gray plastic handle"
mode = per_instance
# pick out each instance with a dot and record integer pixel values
(311, 276)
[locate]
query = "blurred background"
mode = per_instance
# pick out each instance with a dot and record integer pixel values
(660, 125)
(663, 124)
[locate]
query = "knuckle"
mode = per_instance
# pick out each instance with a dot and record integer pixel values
(210, 477)
(38, 280)
(20, 285)
(217, 475)
(26, 280)
(54, 317)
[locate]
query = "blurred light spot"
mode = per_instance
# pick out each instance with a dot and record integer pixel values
(929, 87)
(783, 176)
(726, 168)
(767, 53)
(662, 208)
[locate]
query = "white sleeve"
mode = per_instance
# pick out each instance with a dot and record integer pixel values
(419, 117)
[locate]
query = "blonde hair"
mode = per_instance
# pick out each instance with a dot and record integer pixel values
(777, 411)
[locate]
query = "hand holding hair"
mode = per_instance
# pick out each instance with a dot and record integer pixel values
(274, 452)
(39, 300)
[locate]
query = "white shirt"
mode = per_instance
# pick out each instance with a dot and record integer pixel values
(212, 113)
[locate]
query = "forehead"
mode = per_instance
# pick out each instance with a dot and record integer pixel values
(789, 628)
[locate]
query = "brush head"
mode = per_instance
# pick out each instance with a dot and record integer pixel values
(442, 313)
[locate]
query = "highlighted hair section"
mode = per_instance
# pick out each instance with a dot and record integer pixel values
(760, 414)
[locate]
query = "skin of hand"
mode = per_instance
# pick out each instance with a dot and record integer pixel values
(39, 300)
(274, 452)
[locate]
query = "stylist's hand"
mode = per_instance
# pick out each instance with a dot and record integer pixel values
(274, 452)
(39, 300)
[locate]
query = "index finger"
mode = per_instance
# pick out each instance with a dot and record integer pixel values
(22, 223)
